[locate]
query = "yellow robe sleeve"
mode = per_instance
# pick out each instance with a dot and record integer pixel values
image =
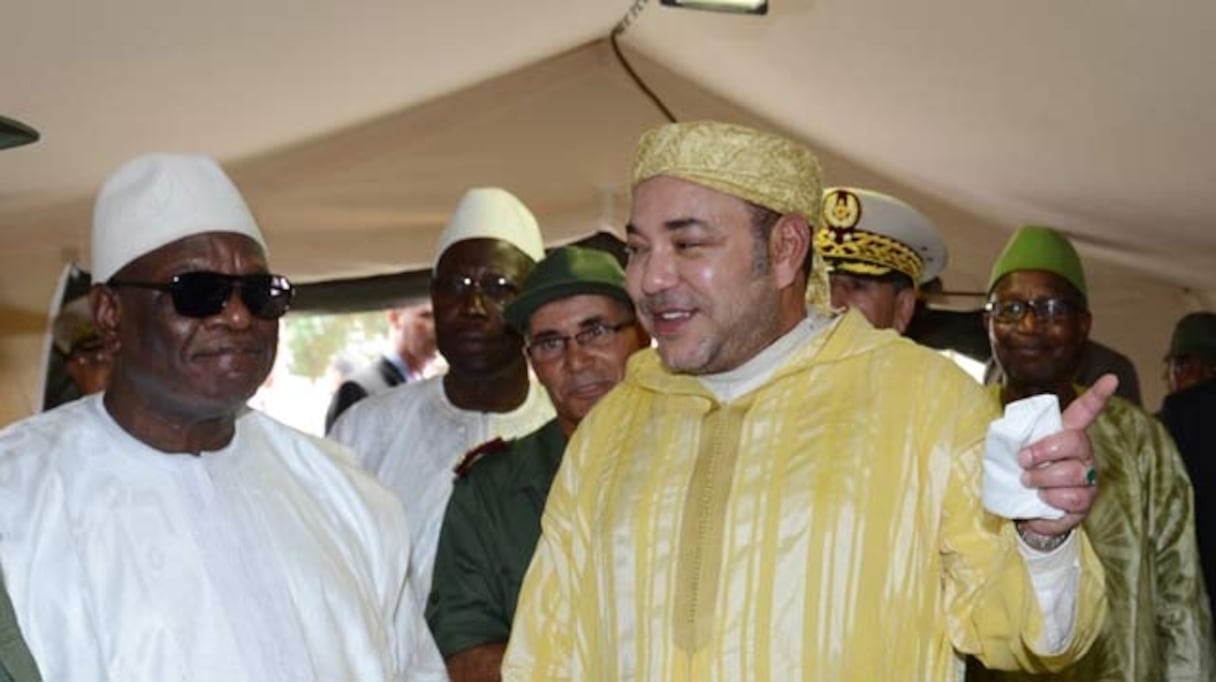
(992, 609)
(541, 646)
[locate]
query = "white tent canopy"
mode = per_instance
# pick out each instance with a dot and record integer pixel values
(353, 128)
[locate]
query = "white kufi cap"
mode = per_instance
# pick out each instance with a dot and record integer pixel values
(492, 213)
(157, 199)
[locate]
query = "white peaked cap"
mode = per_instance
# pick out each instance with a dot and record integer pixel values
(492, 213)
(157, 199)
(887, 217)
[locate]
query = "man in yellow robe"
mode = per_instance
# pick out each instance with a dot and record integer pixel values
(1142, 525)
(778, 493)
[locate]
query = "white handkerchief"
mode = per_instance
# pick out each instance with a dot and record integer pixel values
(1025, 422)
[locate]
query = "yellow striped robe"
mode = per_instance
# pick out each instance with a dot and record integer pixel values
(826, 526)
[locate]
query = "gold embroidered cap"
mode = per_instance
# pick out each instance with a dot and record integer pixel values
(766, 169)
(869, 233)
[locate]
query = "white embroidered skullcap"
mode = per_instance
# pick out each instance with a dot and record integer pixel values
(492, 213)
(160, 198)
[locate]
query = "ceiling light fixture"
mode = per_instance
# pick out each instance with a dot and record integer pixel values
(15, 133)
(732, 6)
(623, 25)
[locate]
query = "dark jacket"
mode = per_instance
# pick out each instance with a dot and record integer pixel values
(1190, 417)
(375, 378)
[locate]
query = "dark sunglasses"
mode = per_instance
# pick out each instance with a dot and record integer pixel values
(204, 293)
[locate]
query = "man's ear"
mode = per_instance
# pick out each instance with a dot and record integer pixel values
(107, 314)
(788, 245)
(905, 308)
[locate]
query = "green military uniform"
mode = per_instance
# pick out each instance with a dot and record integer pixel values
(16, 663)
(489, 533)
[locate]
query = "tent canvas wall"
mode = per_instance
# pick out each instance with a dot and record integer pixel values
(353, 133)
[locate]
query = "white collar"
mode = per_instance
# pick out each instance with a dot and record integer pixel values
(730, 385)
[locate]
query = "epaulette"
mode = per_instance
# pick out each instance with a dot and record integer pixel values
(473, 456)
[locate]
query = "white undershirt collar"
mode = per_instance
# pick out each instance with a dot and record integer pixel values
(730, 385)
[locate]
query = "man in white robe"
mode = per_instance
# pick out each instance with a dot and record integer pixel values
(161, 530)
(413, 436)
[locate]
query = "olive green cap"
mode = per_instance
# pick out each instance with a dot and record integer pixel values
(1195, 334)
(565, 272)
(1040, 248)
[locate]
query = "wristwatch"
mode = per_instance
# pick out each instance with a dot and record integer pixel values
(1042, 543)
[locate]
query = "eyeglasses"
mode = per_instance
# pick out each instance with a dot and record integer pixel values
(492, 286)
(1045, 309)
(551, 347)
(203, 293)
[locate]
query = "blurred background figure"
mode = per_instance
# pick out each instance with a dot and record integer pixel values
(338, 371)
(1188, 414)
(411, 353)
(1191, 359)
(1098, 359)
(87, 361)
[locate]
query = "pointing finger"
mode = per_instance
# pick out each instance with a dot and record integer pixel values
(1081, 413)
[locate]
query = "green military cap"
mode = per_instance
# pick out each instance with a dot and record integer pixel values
(1040, 248)
(565, 272)
(1195, 334)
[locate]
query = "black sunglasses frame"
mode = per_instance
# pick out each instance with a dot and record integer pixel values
(201, 294)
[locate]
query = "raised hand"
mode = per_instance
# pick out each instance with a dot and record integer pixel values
(1062, 467)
